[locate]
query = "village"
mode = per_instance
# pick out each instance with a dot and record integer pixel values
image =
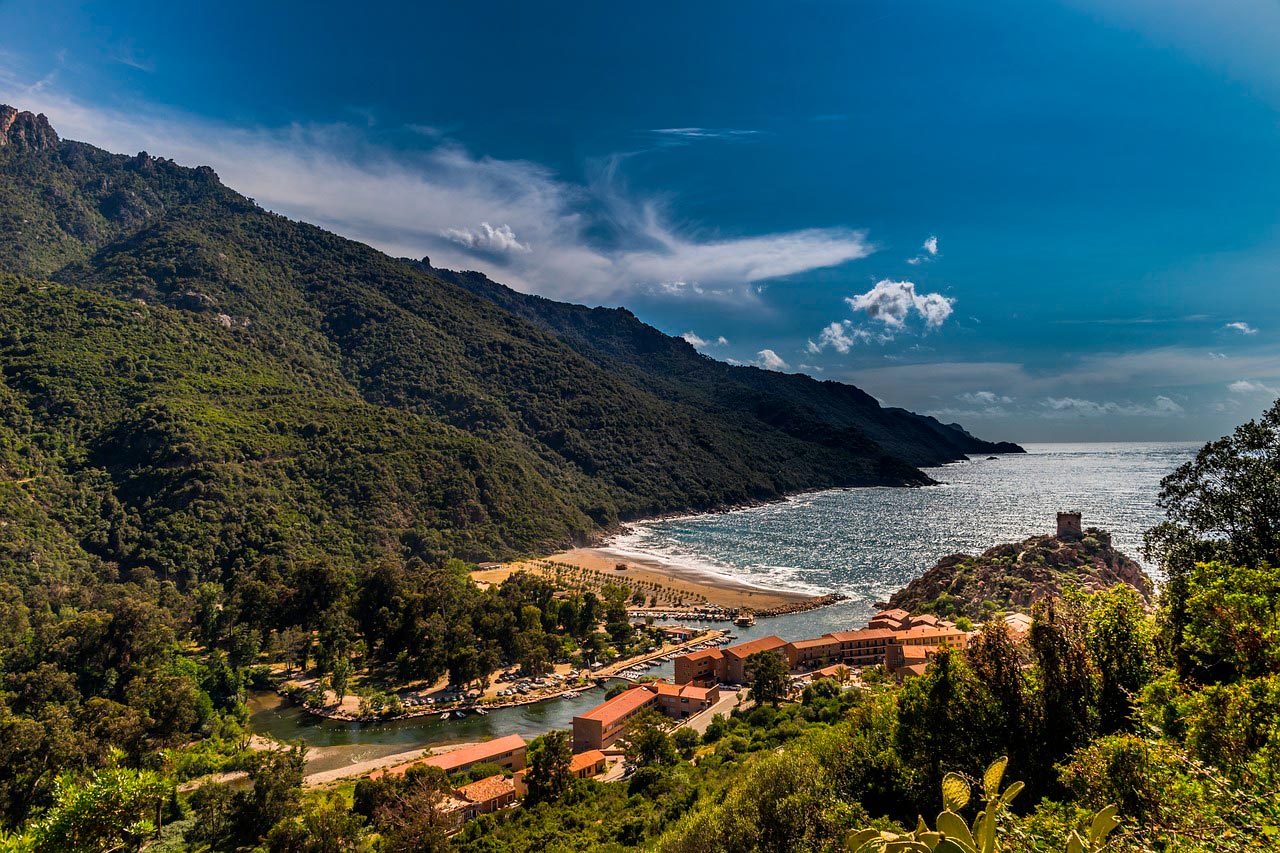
(711, 679)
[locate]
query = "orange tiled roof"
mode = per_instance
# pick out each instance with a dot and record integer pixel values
(863, 634)
(475, 753)
(489, 788)
(621, 705)
(762, 644)
(815, 643)
(583, 760)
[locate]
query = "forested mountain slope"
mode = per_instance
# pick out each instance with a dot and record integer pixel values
(823, 412)
(380, 407)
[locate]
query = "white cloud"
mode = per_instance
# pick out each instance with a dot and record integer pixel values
(840, 336)
(1241, 327)
(1161, 406)
(591, 242)
(701, 343)
(486, 237)
(1248, 386)
(930, 246)
(892, 302)
(770, 360)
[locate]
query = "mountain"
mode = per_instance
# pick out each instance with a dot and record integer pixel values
(197, 387)
(673, 370)
(1014, 576)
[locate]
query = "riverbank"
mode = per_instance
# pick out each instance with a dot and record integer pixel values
(668, 587)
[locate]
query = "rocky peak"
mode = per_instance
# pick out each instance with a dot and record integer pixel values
(24, 129)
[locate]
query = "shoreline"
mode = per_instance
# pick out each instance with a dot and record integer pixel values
(669, 587)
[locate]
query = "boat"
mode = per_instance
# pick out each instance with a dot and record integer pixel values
(461, 714)
(482, 712)
(744, 619)
(445, 715)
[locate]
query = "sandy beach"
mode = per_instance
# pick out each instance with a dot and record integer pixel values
(671, 584)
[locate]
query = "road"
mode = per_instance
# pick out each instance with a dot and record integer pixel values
(700, 721)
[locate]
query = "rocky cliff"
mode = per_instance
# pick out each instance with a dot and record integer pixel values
(1013, 576)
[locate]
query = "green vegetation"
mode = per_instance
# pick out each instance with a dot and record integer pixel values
(231, 443)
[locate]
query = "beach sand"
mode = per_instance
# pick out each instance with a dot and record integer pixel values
(670, 582)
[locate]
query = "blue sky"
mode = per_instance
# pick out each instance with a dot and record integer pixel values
(1049, 221)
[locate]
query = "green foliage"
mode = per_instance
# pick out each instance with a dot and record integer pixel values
(769, 677)
(548, 776)
(111, 809)
(649, 743)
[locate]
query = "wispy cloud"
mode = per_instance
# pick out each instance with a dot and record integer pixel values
(1242, 327)
(695, 133)
(1248, 386)
(591, 242)
(1160, 407)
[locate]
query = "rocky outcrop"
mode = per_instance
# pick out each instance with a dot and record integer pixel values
(1014, 576)
(26, 130)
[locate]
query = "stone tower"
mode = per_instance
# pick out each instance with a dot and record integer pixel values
(1069, 525)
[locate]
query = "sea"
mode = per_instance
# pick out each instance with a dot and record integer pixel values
(866, 543)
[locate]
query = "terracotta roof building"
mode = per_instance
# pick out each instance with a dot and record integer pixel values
(607, 722)
(487, 796)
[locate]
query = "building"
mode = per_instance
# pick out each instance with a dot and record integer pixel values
(736, 670)
(587, 764)
(1069, 526)
(681, 701)
(583, 765)
(506, 752)
(916, 646)
(866, 647)
(607, 722)
(892, 619)
(486, 796)
(704, 667)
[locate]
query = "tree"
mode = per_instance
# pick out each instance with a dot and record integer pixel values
(996, 661)
(686, 740)
(115, 808)
(945, 718)
(769, 677)
(648, 743)
(1119, 638)
(549, 758)
(1224, 505)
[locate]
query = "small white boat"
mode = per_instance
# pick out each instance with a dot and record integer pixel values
(482, 712)
(445, 715)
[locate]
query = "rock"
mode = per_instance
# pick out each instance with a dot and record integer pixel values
(225, 321)
(192, 300)
(26, 130)
(1014, 576)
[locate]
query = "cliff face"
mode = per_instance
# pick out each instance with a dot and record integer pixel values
(1013, 576)
(25, 129)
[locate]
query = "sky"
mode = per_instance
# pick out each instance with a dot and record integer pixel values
(1048, 221)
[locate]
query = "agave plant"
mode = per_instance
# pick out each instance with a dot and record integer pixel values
(952, 835)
